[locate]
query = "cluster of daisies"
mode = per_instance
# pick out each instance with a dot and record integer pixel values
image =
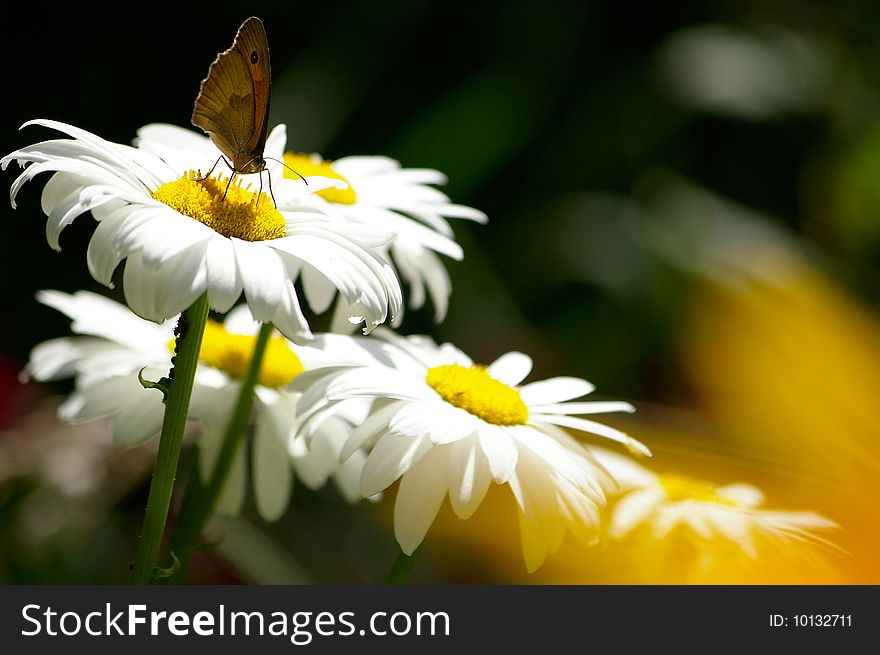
(365, 411)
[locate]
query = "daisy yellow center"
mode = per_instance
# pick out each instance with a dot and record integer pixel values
(680, 487)
(475, 391)
(242, 214)
(307, 165)
(231, 353)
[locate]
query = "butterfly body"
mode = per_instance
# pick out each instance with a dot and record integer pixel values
(233, 103)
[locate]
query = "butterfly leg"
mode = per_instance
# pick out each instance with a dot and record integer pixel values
(271, 193)
(231, 177)
(202, 179)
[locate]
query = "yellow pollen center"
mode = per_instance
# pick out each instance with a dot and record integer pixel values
(475, 391)
(231, 353)
(307, 165)
(242, 214)
(679, 487)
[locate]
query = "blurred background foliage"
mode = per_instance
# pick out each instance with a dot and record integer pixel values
(684, 209)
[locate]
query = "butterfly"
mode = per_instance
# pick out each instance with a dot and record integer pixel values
(233, 102)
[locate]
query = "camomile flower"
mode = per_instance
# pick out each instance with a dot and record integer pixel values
(445, 426)
(181, 235)
(669, 504)
(112, 347)
(374, 192)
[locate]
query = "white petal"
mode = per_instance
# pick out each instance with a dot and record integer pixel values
(213, 397)
(554, 390)
(213, 424)
(369, 382)
(415, 419)
(348, 476)
(359, 275)
(444, 424)
(419, 498)
(585, 515)
(61, 358)
(698, 521)
(633, 509)
(469, 477)
(736, 526)
(214, 408)
(138, 421)
(414, 236)
(407, 264)
(101, 396)
(181, 148)
(358, 166)
(319, 291)
(534, 547)
(582, 408)
(268, 287)
(104, 253)
(594, 427)
(157, 295)
(123, 160)
(744, 495)
(180, 281)
(391, 457)
(276, 142)
(137, 411)
(439, 284)
(72, 205)
(346, 316)
(223, 279)
(239, 320)
(271, 468)
(375, 423)
(538, 495)
(668, 516)
(312, 463)
(511, 368)
(165, 236)
(453, 424)
(500, 451)
(263, 278)
(569, 461)
(234, 490)
(315, 461)
(102, 317)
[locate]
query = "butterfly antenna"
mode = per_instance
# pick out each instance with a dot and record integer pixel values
(288, 168)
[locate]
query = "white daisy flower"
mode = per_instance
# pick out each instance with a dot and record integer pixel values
(113, 345)
(665, 504)
(445, 426)
(377, 193)
(182, 236)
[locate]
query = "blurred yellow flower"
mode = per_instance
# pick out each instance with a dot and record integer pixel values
(790, 367)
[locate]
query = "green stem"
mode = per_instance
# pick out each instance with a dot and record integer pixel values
(402, 568)
(190, 328)
(200, 499)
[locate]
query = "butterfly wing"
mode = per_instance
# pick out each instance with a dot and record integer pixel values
(233, 103)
